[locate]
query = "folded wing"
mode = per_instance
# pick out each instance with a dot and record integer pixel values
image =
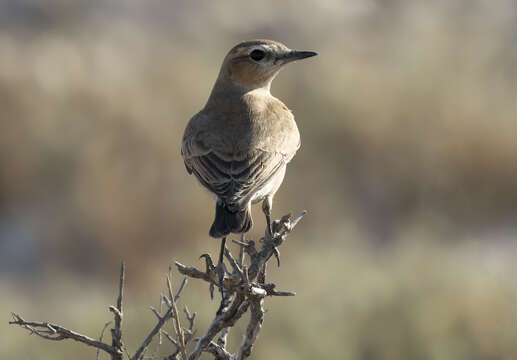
(233, 178)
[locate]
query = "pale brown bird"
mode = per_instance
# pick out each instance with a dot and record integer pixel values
(239, 144)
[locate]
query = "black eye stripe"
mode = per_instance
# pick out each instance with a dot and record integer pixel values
(257, 55)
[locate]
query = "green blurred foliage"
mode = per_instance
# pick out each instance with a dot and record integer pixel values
(408, 169)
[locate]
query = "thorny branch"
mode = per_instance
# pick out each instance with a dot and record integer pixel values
(245, 288)
(162, 320)
(116, 333)
(177, 325)
(51, 331)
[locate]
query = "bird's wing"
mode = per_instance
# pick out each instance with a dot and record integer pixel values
(234, 178)
(236, 168)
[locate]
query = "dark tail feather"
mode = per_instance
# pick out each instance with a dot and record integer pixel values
(227, 221)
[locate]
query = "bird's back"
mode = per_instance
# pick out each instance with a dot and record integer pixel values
(254, 121)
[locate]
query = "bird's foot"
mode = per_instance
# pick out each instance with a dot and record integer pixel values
(220, 270)
(211, 271)
(225, 296)
(225, 301)
(276, 252)
(217, 272)
(272, 230)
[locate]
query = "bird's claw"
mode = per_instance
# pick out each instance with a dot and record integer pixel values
(211, 269)
(209, 263)
(221, 271)
(276, 252)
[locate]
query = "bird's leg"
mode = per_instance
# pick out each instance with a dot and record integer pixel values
(220, 269)
(241, 250)
(220, 266)
(266, 208)
(221, 252)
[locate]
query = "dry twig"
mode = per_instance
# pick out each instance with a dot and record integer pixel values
(245, 288)
(177, 325)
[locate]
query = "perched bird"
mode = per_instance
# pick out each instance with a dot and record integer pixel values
(239, 144)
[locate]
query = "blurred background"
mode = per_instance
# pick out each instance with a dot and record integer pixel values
(408, 168)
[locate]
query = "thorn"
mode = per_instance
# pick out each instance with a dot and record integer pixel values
(298, 218)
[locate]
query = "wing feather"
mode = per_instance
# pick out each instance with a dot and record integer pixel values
(234, 181)
(237, 159)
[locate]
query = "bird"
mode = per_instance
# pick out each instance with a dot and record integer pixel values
(240, 142)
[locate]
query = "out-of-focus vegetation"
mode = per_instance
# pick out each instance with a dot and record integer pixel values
(408, 169)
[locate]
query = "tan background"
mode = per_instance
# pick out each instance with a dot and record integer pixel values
(408, 169)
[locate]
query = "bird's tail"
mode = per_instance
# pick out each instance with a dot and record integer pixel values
(230, 221)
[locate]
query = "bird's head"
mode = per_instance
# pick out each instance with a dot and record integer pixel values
(254, 64)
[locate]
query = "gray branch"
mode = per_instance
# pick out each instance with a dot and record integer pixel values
(253, 329)
(175, 316)
(247, 284)
(56, 332)
(245, 289)
(116, 332)
(218, 351)
(162, 320)
(100, 338)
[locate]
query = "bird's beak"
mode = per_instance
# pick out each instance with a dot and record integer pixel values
(294, 55)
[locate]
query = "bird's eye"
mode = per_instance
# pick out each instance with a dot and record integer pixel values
(257, 55)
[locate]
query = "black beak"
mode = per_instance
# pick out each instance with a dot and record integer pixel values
(294, 55)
